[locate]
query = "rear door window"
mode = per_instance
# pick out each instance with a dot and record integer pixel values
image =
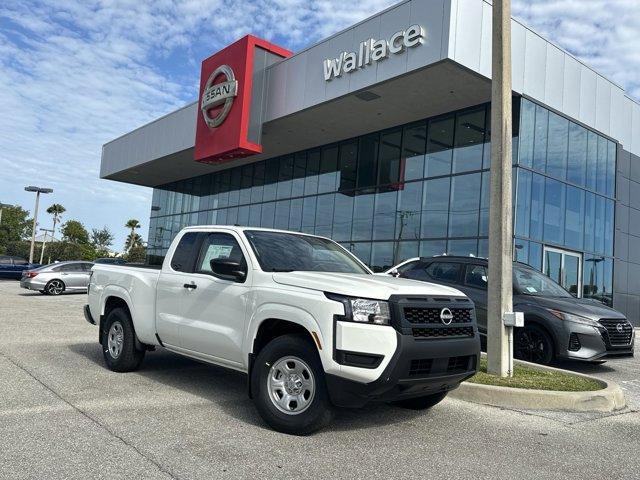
(444, 271)
(476, 276)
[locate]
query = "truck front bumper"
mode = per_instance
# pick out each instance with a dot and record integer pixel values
(419, 367)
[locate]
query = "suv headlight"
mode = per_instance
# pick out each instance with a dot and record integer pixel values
(363, 310)
(570, 317)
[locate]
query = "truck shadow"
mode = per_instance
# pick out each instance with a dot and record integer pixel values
(228, 389)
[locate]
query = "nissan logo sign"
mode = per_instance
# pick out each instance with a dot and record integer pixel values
(216, 94)
(620, 328)
(446, 316)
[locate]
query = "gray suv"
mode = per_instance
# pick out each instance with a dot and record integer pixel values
(557, 325)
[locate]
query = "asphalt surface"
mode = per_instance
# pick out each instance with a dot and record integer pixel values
(63, 415)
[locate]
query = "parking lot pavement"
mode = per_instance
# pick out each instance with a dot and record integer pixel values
(63, 415)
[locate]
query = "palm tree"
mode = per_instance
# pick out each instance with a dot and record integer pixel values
(56, 210)
(133, 236)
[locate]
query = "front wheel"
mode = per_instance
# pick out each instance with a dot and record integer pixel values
(421, 403)
(288, 386)
(119, 343)
(533, 344)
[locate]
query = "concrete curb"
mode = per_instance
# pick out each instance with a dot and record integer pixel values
(607, 400)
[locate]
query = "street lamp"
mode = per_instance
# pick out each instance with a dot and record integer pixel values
(38, 191)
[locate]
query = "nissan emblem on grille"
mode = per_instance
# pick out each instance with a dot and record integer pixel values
(446, 316)
(216, 94)
(619, 328)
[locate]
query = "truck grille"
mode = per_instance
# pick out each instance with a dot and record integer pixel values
(432, 315)
(616, 335)
(443, 332)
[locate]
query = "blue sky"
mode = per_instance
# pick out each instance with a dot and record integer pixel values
(75, 74)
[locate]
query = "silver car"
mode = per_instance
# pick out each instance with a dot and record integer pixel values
(57, 278)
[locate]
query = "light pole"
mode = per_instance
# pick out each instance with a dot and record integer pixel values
(44, 242)
(38, 191)
(500, 290)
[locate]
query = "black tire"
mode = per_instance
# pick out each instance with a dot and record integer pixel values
(533, 344)
(421, 403)
(54, 287)
(319, 411)
(127, 357)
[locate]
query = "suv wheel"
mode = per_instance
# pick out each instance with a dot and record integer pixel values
(288, 386)
(533, 344)
(421, 403)
(118, 342)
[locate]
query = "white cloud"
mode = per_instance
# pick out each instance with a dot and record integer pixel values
(75, 74)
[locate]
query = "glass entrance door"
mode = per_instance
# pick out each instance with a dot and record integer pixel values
(565, 268)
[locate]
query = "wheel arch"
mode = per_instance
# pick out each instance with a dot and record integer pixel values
(111, 302)
(274, 323)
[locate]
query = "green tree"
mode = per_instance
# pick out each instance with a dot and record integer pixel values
(133, 238)
(15, 225)
(56, 210)
(136, 254)
(74, 232)
(102, 239)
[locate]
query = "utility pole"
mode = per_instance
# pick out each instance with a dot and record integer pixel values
(38, 191)
(500, 294)
(44, 243)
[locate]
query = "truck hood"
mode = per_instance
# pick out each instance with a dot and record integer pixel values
(362, 285)
(578, 306)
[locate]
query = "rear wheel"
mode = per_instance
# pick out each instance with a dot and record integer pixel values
(54, 287)
(119, 343)
(421, 403)
(533, 344)
(288, 386)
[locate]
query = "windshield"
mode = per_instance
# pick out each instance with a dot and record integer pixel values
(287, 252)
(531, 282)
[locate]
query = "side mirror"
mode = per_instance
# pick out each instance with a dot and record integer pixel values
(394, 273)
(228, 269)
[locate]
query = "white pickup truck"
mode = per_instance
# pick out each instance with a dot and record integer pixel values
(309, 324)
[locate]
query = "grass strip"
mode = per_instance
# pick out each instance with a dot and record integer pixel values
(533, 378)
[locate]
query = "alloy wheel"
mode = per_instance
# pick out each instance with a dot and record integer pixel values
(55, 287)
(531, 346)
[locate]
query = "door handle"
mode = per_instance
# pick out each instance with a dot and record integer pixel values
(190, 286)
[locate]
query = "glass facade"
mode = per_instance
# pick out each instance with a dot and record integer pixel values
(417, 189)
(421, 189)
(565, 196)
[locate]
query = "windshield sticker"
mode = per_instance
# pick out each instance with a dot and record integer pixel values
(531, 290)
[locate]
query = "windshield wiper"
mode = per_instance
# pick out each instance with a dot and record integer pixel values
(281, 270)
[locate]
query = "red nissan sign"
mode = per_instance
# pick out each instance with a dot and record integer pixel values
(224, 103)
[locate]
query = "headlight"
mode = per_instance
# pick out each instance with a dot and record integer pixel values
(363, 310)
(570, 317)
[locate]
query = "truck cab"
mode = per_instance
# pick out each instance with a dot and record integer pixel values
(309, 324)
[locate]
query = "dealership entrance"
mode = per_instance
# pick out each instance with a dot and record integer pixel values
(565, 267)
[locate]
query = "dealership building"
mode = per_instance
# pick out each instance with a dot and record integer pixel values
(379, 137)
